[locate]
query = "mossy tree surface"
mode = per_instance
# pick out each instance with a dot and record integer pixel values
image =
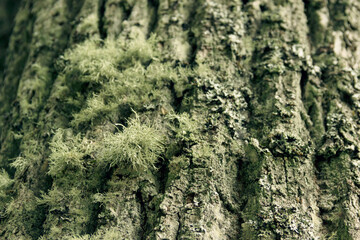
(168, 119)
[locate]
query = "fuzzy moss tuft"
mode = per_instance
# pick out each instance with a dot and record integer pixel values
(67, 151)
(186, 129)
(136, 148)
(108, 78)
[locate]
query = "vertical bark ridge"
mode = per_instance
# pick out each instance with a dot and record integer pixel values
(50, 37)
(116, 12)
(87, 22)
(336, 55)
(202, 201)
(140, 22)
(173, 28)
(172, 33)
(278, 170)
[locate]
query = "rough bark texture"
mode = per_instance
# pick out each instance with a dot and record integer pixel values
(169, 119)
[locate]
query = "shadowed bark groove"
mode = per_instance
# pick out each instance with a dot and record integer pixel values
(102, 10)
(7, 18)
(169, 119)
(154, 9)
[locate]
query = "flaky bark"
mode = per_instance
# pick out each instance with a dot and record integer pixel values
(181, 120)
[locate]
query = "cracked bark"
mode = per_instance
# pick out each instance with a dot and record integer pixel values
(275, 105)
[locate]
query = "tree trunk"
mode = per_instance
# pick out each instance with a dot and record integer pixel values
(167, 119)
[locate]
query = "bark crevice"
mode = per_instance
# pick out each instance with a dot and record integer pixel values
(102, 10)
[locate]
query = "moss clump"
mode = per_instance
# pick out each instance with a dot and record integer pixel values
(70, 211)
(67, 151)
(31, 153)
(101, 61)
(136, 148)
(92, 61)
(104, 80)
(186, 129)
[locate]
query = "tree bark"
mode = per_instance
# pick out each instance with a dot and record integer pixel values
(167, 119)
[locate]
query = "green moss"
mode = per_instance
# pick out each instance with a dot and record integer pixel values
(118, 76)
(22, 207)
(186, 128)
(31, 154)
(67, 151)
(91, 62)
(69, 211)
(136, 148)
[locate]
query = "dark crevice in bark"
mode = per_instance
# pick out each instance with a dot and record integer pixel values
(6, 26)
(346, 98)
(97, 207)
(101, 15)
(177, 102)
(127, 10)
(228, 206)
(303, 82)
(325, 106)
(192, 24)
(154, 10)
(143, 214)
(245, 1)
(286, 174)
(179, 227)
(75, 6)
(163, 173)
(14, 68)
(194, 48)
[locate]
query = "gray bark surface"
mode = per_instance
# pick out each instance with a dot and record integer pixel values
(168, 119)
